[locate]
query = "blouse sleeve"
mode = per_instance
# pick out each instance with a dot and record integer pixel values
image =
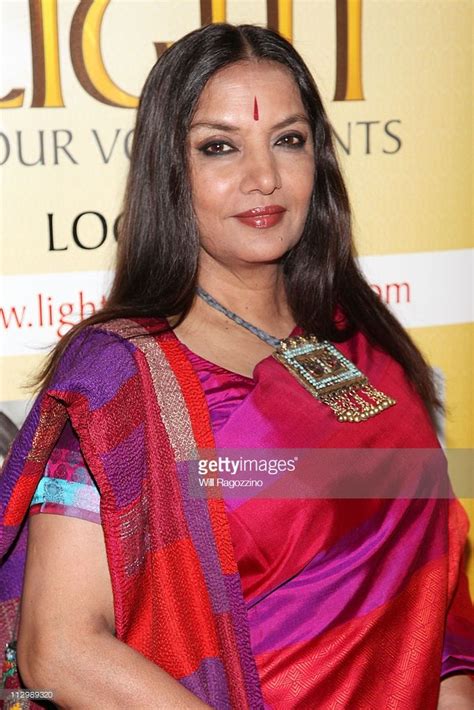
(67, 487)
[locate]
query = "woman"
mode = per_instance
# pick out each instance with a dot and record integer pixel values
(236, 225)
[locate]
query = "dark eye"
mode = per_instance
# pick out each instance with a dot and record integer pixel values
(216, 148)
(292, 140)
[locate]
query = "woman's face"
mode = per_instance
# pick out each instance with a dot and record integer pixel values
(251, 163)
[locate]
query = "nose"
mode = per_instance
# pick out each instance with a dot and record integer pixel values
(260, 173)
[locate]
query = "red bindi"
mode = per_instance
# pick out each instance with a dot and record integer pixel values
(255, 109)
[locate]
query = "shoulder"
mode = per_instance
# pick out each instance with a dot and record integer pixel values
(102, 355)
(95, 351)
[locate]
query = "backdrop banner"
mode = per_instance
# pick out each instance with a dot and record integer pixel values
(396, 79)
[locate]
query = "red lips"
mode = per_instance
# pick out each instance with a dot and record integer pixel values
(262, 217)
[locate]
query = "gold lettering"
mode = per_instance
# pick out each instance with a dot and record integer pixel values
(87, 57)
(349, 51)
(45, 57)
(213, 11)
(14, 99)
(89, 66)
(45, 48)
(280, 17)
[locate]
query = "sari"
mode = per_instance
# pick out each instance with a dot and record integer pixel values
(326, 581)
(352, 602)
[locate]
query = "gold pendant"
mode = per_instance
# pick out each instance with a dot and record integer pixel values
(332, 378)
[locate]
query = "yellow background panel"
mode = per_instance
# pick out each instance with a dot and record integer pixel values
(451, 348)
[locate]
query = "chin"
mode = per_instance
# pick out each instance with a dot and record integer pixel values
(266, 252)
(264, 256)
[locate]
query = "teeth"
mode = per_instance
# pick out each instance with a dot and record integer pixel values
(260, 212)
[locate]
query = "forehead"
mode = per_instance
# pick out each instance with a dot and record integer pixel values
(232, 90)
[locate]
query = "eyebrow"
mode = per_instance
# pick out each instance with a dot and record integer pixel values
(295, 118)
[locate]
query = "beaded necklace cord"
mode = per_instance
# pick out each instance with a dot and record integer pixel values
(321, 368)
(266, 337)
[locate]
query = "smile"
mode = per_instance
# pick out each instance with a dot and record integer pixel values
(262, 217)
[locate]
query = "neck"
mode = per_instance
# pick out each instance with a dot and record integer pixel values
(257, 294)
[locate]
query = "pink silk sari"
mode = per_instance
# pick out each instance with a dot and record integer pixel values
(352, 603)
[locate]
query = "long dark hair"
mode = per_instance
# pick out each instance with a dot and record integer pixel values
(158, 246)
